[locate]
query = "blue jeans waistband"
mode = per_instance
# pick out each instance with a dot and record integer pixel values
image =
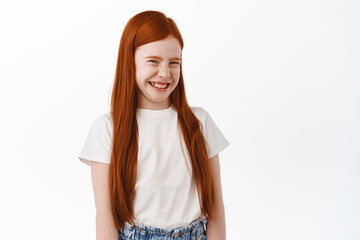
(195, 228)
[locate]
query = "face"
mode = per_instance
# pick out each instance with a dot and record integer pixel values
(157, 67)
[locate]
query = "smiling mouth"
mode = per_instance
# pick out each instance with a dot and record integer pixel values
(159, 85)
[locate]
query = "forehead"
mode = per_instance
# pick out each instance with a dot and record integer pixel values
(167, 48)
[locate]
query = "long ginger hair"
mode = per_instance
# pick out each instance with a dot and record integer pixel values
(143, 28)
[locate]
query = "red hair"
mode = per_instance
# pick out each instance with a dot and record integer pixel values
(143, 28)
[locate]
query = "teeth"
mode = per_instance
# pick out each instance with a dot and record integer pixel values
(158, 85)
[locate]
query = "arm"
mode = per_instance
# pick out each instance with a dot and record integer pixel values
(105, 227)
(216, 229)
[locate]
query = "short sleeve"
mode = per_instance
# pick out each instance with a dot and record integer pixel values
(97, 146)
(216, 141)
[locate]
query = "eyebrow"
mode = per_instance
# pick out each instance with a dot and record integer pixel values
(157, 57)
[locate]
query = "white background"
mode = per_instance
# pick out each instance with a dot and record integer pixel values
(279, 78)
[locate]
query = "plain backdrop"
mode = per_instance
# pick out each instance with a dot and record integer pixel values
(279, 78)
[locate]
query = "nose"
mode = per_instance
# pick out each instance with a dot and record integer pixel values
(164, 71)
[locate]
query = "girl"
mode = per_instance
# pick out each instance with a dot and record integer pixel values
(154, 159)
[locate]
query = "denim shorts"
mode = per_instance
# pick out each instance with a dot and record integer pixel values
(196, 230)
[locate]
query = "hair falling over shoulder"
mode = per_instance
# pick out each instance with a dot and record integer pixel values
(143, 28)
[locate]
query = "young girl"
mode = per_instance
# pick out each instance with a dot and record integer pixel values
(154, 159)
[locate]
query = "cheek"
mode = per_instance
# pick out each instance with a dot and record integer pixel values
(144, 73)
(176, 73)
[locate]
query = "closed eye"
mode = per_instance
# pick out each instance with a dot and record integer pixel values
(155, 61)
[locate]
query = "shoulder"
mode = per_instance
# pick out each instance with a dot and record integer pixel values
(104, 121)
(97, 146)
(106, 117)
(200, 113)
(216, 141)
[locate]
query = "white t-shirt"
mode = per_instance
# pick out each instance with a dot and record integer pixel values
(165, 195)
